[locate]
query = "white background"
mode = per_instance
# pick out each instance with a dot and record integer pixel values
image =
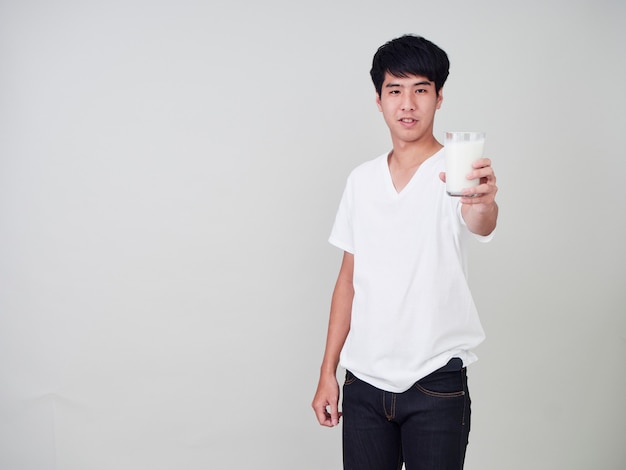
(169, 174)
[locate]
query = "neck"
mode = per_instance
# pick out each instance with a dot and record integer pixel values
(412, 154)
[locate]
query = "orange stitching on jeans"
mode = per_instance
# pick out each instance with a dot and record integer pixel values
(392, 413)
(439, 394)
(465, 400)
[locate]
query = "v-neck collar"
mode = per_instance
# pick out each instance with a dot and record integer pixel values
(389, 180)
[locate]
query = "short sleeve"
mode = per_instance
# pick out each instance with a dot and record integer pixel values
(341, 234)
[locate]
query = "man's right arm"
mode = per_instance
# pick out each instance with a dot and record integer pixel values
(327, 394)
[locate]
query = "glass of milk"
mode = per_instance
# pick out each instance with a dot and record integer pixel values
(461, 150)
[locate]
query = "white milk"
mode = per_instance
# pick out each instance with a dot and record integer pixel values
(459, 158)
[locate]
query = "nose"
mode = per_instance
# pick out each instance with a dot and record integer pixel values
(408, 102)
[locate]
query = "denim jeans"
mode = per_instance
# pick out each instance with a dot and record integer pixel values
(426, 427)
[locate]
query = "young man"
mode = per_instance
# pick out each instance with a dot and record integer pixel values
(402, 320)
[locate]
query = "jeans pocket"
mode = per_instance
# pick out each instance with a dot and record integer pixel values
(350, 378)
(443, 384)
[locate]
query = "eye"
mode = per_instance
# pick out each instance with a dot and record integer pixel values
(421, 90)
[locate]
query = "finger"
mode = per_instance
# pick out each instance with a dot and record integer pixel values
(482, 163)
(476, 199)
(473, 194)
(334, 414)
(480, 173)
(322, 415)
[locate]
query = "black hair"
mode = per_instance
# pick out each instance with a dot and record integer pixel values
(410, 55)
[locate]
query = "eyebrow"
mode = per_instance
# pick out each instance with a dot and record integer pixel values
(420, 83)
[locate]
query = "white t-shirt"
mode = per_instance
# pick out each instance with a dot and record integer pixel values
(412, 309)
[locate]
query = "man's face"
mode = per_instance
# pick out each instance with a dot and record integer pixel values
(408, 106)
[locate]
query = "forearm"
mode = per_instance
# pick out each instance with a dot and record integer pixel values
(338, 328)
(340, 314)
(480, 219)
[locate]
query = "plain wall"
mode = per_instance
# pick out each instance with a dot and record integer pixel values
(169, 174)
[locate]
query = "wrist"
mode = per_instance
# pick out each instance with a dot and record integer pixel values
(328, 370)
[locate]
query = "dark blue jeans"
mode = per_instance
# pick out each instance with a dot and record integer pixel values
(426, 427)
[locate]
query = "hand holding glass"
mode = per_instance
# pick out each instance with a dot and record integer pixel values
(462, 150)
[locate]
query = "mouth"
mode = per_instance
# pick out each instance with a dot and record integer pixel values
(408, 122)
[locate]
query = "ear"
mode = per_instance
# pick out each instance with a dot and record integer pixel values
(380, 106)
(439, 98)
